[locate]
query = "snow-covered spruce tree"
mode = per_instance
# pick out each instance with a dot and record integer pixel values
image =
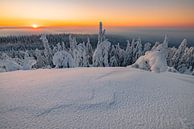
(89, 51)
(79, 55)
(136, 49)
(178, 54)
(171, 52)
(129, 52)
(59, 47)
(112, 55)
(186, 61)
(47, 51)
(72, 42)
(101, 54)
(120, 55)
(101, 35)
(147, 47)
(113, 62)
(190, 57)
(40, 59)
(117, 56)
(139, 51)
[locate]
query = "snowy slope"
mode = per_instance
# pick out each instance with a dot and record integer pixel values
(96, 98)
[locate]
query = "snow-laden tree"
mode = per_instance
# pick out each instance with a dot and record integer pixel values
(101, 54)
(186, 61)
(63, 46)
(101, 35)
(117, 56)
(113, 58)
(80, 57)
(138, 49)
(47, 50)
(89, 51)
(129, 53)
(113, 62)
(72, 42)
(59, 47)
(155, 46)
(63, 59)
(12, 64)
(8, 64)
(120, 55)
(28, 62)
(147, 47)
(178, 54)
(171, 52)
(40, 59)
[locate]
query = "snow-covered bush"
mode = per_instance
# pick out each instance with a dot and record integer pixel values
(154, 60)
(28, 63)
(63, 59)
(172, 69)
(11, 64)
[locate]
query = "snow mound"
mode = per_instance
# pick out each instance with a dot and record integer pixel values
(154, 60)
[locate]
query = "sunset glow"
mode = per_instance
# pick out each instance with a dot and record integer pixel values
(34, 26)
(88, 12)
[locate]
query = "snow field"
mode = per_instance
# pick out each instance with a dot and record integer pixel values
(96, 98)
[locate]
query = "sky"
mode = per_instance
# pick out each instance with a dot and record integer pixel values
(56, 13)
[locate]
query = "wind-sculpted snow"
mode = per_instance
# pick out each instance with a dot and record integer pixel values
(96, 98)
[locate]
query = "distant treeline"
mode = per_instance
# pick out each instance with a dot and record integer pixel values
(33, 42)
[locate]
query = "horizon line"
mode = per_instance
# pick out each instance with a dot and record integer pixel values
(90, 26)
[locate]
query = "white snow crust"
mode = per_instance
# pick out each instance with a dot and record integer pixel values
(90, 98)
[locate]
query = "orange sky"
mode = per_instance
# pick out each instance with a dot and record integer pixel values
(49, 13)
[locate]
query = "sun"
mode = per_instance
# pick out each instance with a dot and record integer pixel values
(34, 26)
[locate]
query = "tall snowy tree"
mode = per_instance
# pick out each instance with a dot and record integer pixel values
(120, 55)
(178, 54)
(47, 50)
(101, 35)
(129, 53)
(171, 52)
(101, 54)
(89, 50)
(79, 55)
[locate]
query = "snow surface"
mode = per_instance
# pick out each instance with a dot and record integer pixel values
(100, 98)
